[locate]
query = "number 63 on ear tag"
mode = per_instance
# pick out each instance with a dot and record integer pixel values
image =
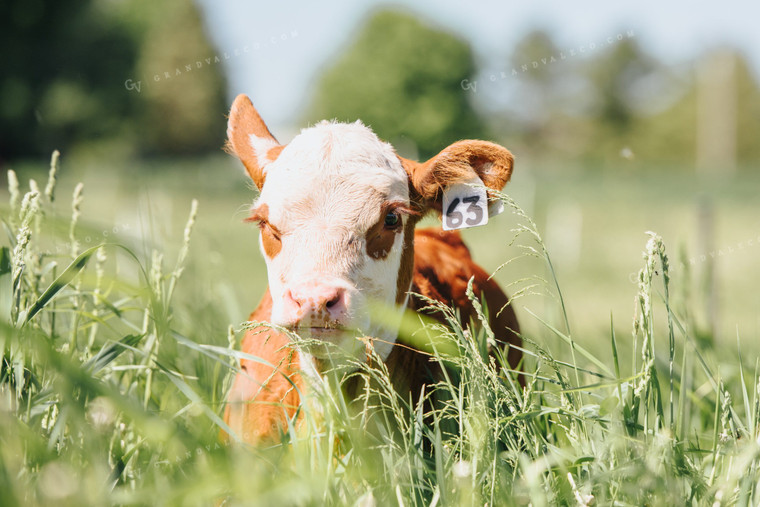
(466, 206)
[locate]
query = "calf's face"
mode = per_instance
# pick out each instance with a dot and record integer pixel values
(332, 213)
(336, 211)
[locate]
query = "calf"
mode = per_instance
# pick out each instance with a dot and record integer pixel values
(337, 212)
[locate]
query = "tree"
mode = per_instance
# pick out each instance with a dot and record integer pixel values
(402, 78)
(587, 103)
(540, 74)
(66, 63)
(614, 75)
(541, 115)
(669, 134)
(62, 74)
(748, 113)
(182, 101)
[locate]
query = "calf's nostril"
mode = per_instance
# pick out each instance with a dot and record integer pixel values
(289, 296)
(334, 301)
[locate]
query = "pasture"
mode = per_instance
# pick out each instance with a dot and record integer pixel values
(116, 360)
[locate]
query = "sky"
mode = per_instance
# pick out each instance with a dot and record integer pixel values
(277, 49)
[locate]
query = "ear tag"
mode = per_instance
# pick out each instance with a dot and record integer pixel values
(464, 206)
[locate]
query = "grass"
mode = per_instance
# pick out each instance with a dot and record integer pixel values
(116, 357)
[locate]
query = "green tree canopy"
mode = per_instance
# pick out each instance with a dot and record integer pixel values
(63, 62)
(65, 65)
(402, 78)
(182, 101)
(615, 103)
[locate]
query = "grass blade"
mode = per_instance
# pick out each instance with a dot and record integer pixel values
(111, 351)
(588, 355)
(59, 283)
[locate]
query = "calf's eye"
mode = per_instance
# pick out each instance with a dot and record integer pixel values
(392, 219)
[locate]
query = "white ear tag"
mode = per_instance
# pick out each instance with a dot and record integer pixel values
(464, 206)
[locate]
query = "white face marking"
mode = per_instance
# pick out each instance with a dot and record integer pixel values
(323, 193)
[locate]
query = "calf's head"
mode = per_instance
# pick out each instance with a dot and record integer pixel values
(336, 210)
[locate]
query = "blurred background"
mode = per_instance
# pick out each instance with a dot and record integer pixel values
(624, 118)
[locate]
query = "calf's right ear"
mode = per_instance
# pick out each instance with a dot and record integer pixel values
(250, 140)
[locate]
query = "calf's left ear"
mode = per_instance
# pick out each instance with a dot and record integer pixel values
(460, 162)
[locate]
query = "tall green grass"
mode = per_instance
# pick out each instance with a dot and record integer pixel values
(108, 397)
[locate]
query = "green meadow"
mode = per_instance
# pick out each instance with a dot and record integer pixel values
(124, 300)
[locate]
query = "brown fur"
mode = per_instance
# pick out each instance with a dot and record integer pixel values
(406, 268)
(244, 121)
(442, 268)
(273, 153)
(263, 399)
(379, 238)
(270, 237)
(459, 162)
(434, 263)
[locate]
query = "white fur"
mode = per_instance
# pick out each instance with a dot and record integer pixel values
(323, 192)
(261, 146)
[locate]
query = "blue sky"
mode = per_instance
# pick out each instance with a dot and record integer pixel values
(282, 46)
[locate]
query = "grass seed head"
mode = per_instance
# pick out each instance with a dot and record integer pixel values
(13, 190)
(76, 211)
(52, 176)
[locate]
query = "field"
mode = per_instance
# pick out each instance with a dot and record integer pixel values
(642, 374)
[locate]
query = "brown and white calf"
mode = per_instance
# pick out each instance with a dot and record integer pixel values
(337, 212)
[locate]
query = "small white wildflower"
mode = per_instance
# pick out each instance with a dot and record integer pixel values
(582, 499)
(196, 410)
(367, 500)
(718, 498)
(462, 469)
(101, 412)
(57, 481)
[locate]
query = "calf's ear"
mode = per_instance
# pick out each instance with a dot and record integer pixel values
(460, 162)
(250, 140)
